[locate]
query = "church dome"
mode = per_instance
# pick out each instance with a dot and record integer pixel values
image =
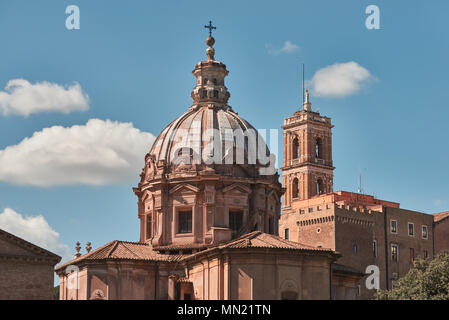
(209, 176)
(211, 135)
(192, 139)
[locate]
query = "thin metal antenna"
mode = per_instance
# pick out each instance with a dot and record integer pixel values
(361, 190)
(303, 83)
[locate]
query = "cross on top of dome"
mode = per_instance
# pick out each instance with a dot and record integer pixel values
(210, 52)
(210, 27)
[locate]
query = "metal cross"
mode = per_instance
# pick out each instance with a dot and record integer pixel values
(210, 27)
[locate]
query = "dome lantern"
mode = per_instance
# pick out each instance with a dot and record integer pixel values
(210, 89)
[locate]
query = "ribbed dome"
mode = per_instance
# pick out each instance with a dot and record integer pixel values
(210, 136)
(201, 126)
(209, 175)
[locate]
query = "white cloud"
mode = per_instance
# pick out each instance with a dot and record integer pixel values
(20, 97)
(97, 153)
(339, 80)
(438, 202)
(288, 47)
(34, 229)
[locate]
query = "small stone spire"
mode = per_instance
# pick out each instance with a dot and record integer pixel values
(307, 106)
(78, 248)
(210, 89)
(88, 247)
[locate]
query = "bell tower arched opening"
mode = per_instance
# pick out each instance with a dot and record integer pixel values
(307, 154)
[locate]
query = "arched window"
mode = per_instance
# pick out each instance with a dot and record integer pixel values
(319, 187)
(215, 81)
(319, 149)
(295, 188)
(184, 155)
(295, 146)
(215, 93)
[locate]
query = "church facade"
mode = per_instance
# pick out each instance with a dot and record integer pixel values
(209, 204)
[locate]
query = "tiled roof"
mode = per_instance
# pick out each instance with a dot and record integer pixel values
(257, 239)
(124, 250)
(185, 246)
(440, 216)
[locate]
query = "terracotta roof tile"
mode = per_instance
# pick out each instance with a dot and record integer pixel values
(440, 216)
(124, 250)
(257, 239)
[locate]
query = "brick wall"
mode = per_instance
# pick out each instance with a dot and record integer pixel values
(25, 280)
(441, 234)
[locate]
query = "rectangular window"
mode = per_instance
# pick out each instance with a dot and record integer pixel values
(425, 254)
(412, 255)
(393, 226)
(286, 234)
(424, 232)
(235, 219)
(411, 229)
(270, 225)
(394, 252)
(148, 231)
(375, 248)
(185, 221)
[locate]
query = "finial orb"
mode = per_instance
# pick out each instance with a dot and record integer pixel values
(210, 41)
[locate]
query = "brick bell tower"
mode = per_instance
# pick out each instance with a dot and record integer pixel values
(307, 167)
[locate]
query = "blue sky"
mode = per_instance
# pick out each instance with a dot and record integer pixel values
(134, 61)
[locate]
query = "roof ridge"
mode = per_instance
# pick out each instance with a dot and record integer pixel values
(291, 243)
(134, 242)
(124, 244)
(26, 245)
(440, 216)
(87, 255)
(116, 242)
(243, 238)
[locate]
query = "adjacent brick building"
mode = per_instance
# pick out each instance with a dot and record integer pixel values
(365, 230)
(26, 270)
